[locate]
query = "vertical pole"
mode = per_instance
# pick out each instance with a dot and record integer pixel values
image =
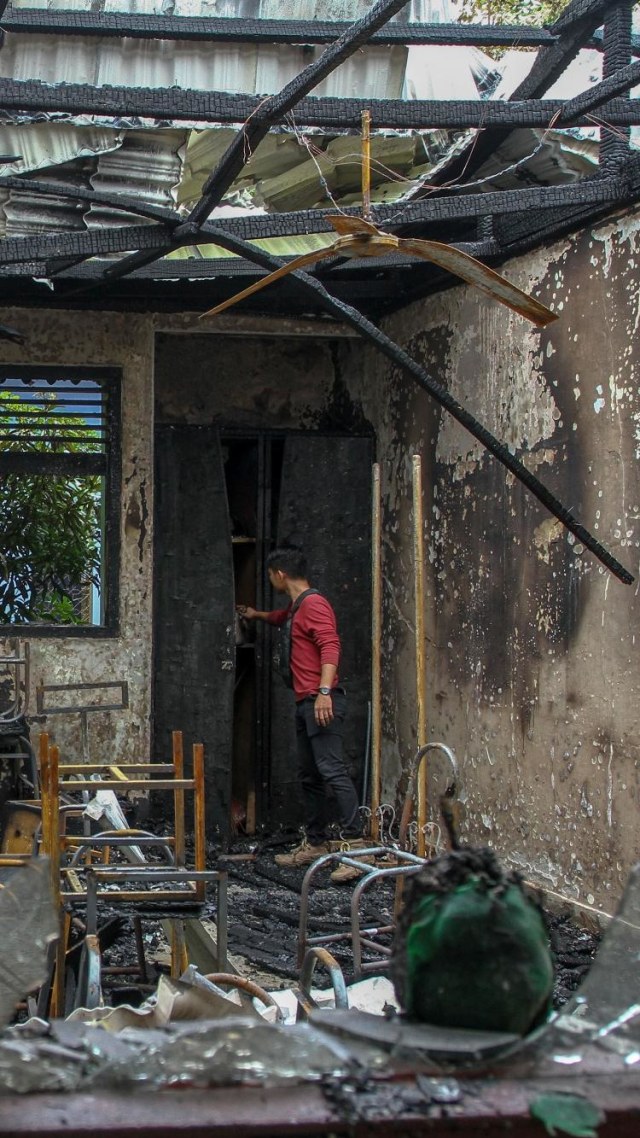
(53, 825)
(43, 763)
(376, 636)
(178, 797)
(200, 854)
(418, 569)
(366, 165)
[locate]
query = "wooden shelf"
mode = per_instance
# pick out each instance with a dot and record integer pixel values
(243, 541)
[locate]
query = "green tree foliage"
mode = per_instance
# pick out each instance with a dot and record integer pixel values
(49, 522)
(533, 12)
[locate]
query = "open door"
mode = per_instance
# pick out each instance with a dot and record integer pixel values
(194, 644)
(325, 507)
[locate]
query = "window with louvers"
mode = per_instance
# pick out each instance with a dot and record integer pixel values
(59, 498)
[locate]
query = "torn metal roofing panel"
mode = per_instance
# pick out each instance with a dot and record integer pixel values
(146, 167)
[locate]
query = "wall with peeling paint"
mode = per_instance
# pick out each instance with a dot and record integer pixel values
(531, 645)
(126, 342)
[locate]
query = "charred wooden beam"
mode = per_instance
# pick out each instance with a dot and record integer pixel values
(215, 268)
(340, 114)
(83, 243)
(614, 145)
(557, 201)
(232, 30)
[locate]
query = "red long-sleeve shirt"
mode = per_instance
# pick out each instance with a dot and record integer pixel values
(314, 642)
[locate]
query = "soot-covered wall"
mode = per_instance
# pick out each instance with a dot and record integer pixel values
(531, 645)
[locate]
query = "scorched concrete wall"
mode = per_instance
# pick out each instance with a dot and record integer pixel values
(531, 649)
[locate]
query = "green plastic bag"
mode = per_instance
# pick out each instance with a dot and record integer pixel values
(474, 955)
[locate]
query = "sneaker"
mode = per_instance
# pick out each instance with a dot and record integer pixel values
(346, 872)
(303, 854)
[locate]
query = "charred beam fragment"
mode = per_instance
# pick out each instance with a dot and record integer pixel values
(232, 30)
(403, 360)
(341, 114)
(83, 243)
(214, 268)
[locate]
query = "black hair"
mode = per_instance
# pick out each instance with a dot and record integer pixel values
(290, 559)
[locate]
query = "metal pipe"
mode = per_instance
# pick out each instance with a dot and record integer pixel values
(376, 637)
(366, 165)
(313, 957)
(53, 825)
(418, 569)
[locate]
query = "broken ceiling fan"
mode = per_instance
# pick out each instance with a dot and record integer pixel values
(359, 237)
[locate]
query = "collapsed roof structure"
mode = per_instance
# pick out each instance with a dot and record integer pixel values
(258, 113)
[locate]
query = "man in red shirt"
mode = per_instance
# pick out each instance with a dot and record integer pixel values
(320, 707)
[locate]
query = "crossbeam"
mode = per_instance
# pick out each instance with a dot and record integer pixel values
(219, 107)
(45, 247)
(212, 29)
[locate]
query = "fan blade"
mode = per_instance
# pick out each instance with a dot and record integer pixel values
(297, 263)
(475, 273)
(347, 226)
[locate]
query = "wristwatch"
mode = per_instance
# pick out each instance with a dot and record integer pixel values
(324, 691)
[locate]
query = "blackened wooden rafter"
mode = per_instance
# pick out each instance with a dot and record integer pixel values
(341, 114)
(523, 203)
(212, 29)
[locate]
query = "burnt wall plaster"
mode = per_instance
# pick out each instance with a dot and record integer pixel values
(531, 646)
(257, 383)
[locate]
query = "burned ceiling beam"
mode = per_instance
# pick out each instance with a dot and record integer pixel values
(400, 358)
(212, 268)
(219, 107)
(212, 29)
(589, 195)
(83, 243)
